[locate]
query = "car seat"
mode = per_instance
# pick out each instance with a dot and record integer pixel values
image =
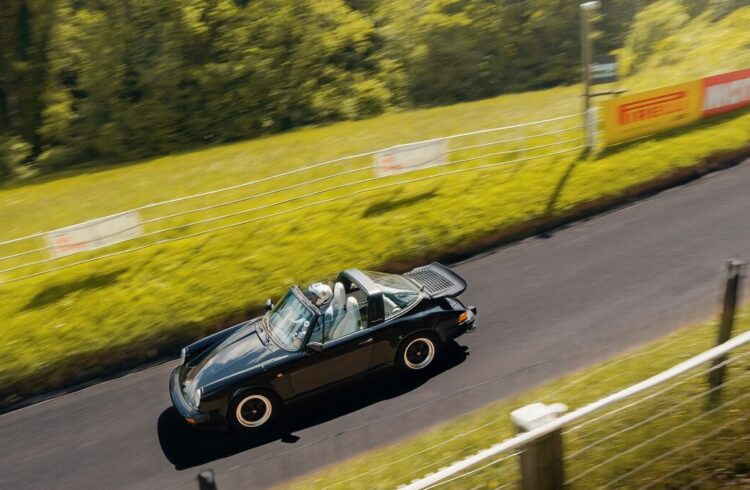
(335, 309)
(349, 322)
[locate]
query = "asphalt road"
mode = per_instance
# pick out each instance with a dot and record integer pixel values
(546, 306)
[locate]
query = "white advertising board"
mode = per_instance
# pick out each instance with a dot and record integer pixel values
(94, 234)
(404, 158)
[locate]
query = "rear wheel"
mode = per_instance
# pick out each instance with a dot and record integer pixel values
(254, 410)
(418, 352)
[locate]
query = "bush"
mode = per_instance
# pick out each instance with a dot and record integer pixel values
(653, 26)
(14, 152)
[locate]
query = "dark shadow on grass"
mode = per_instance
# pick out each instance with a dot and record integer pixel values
(383, 207)
(56, 292)
(557, 192)
(517, 168)
(186, 447)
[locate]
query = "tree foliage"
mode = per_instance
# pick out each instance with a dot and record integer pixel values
(105, 80)
(652, 26)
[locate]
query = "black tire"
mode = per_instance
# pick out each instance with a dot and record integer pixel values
(418, 352)
(254, 410)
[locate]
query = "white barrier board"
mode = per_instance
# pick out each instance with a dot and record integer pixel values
(404, 158)
(94, 234)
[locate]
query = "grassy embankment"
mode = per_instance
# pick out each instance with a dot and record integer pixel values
(80, 322)
(722, 458)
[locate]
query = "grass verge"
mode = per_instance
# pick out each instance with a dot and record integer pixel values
(67, 327)
(609, 447)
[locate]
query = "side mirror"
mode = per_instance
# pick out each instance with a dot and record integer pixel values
(314, 347)
(269, 304)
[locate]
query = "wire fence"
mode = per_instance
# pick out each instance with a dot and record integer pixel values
(294, 191)
(668, 430)
(622, 448)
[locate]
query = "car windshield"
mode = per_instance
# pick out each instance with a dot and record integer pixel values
(397, 290)
(288, 322)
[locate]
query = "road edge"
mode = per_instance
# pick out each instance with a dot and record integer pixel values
(546, 225)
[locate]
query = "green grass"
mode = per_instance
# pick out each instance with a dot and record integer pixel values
(70, 325)
(678, 402)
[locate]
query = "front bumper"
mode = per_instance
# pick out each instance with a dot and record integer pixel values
(470, 325)
(190, 414)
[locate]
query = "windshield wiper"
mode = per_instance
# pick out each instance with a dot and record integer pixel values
(267, 330)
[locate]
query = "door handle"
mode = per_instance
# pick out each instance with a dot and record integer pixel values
(365, 342)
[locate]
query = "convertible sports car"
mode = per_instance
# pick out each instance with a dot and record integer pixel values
(314, 338)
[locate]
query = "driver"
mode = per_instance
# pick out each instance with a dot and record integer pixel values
(319, 294)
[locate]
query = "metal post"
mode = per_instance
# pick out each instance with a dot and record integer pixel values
(541, 460)
(586, 57)
(729, 310)
(206, 480)
(586, 60)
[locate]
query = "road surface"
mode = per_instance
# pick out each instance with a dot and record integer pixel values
(546, 306)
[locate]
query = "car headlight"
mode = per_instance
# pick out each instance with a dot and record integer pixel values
(183, 355)
(197, 398)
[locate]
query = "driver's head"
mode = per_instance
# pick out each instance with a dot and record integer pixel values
(319, 293)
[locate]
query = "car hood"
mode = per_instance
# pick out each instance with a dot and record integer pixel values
(241, 351)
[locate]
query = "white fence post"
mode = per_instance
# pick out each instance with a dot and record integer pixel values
(591, 127)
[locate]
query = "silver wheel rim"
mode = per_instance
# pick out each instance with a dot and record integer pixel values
(254, 411)
(419, 353)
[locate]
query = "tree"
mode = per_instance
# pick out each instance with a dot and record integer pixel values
(114, 80)
(25, 26)
(651, 26)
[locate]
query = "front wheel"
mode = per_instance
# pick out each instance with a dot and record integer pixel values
(253, 411)
(418, 352)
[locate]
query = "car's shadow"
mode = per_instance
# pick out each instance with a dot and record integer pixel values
(185, 446)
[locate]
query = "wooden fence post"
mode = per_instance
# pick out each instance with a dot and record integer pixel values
(541, 459)
(206, 480)
(729, 310)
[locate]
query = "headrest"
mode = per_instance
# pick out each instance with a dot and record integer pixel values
(339, 295)
(352, 304)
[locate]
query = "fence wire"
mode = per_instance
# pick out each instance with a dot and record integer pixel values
(637, 444)
(292, 191)
(649, 434)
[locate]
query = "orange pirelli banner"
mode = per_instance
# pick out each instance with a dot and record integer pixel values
(651, 112)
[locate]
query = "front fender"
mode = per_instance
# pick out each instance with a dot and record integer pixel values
(196, 348)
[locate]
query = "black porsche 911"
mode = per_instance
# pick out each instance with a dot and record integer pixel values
(315, 338)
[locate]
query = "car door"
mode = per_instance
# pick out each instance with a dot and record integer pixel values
(339, 359)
